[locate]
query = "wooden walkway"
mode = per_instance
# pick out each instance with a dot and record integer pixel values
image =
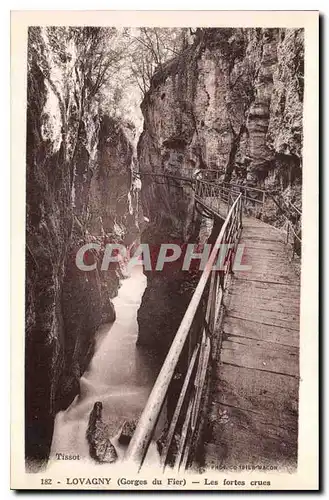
(253, 417)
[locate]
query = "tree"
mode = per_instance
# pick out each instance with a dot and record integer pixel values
(101, 53)
(112, 67)
(151, 48)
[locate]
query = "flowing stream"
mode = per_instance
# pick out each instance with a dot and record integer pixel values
(120, 375)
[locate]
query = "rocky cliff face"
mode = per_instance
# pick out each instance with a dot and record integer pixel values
(78, 191)
(232, 102)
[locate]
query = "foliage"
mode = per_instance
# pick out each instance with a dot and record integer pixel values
(111, 67)
(151, 48)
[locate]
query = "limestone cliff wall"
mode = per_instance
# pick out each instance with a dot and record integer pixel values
(232, 102)
(78, 191)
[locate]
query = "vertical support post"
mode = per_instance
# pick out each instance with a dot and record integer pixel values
(212, 316)
(263, 204)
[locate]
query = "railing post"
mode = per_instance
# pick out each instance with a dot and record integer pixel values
(143, 434)
(211, 305)
(263, 205)
(288, 230)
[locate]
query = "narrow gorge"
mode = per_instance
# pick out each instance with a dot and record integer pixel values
(230, 100)
(79, 190)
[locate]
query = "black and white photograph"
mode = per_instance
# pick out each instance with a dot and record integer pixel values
(164, 255)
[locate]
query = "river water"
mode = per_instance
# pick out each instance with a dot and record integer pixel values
(120, 375)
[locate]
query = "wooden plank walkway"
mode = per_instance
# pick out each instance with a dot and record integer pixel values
(253, 417)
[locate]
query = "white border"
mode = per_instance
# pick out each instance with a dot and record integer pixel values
(232, 4)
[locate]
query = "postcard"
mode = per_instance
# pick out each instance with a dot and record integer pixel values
(164, 250)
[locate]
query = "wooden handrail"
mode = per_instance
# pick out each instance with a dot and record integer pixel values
(140, 441)
(205, 187)
(230, 230)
